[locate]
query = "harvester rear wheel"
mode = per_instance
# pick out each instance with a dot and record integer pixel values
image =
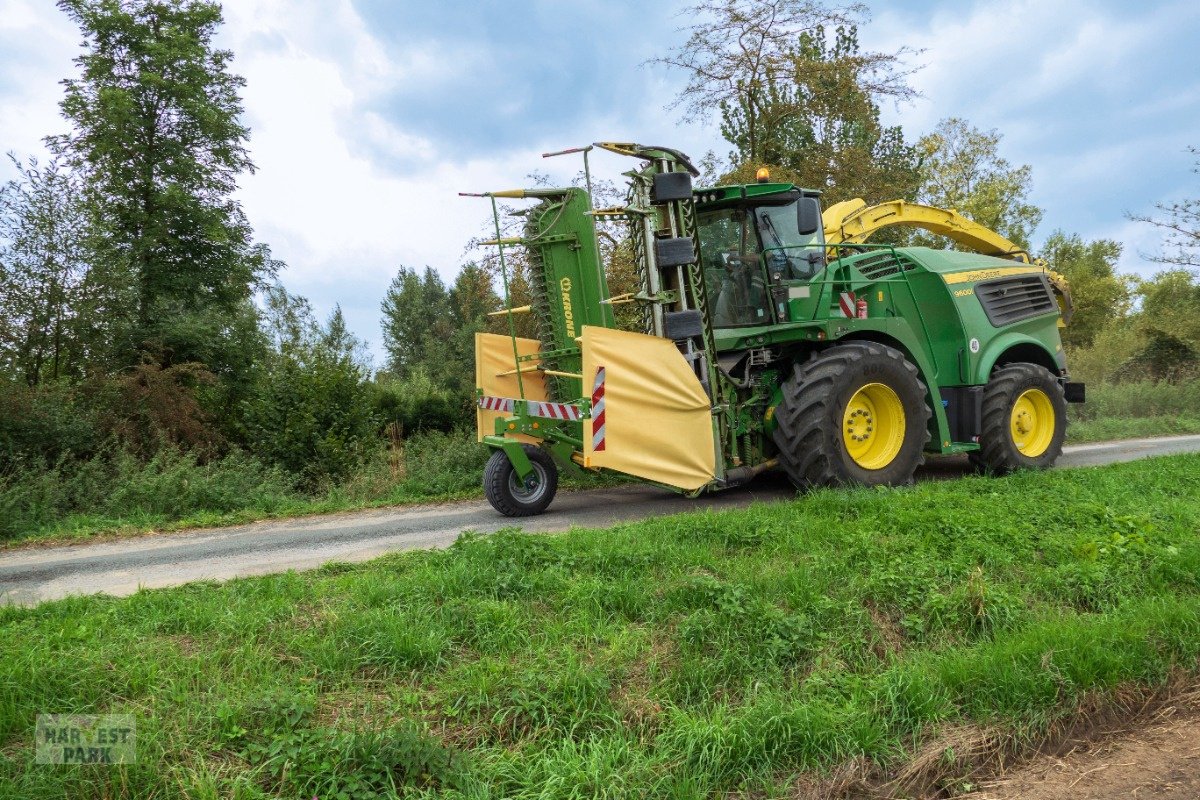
(855, 414)
(1024, 420)
(514, 497)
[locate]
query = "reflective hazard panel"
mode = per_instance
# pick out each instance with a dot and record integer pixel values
(650, 416)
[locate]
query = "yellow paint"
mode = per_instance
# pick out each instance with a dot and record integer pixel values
(658, 420)
(517, 310)
(873, 426)
(496, 376)
(881, 297)
(853, 221)
(973, 275)
(1032, 423)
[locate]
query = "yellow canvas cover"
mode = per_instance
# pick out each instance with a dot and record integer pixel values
(494, 358)
(657, 418)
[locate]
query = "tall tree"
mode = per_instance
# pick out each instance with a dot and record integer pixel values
(962, 169)
(158, 137)
(1181, 223)
(418, 324)
(816, 122)
(1101, 295)
(43, 270)
(737, 48)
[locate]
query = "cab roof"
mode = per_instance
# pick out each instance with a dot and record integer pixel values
(748, 191)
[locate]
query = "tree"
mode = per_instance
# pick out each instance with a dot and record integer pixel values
(1171, 307)
(158, 139)
(43, 267)
(1101, 296)
(962, 169)
(418, 324)
(472, 298)
(816, 123)
(311, 412)
(1181, 224)
(737, 48)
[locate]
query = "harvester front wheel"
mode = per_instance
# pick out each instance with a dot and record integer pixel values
(514, 497)
(1024, 420)
(855, 414)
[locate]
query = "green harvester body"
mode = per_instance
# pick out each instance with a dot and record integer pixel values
(745, 284)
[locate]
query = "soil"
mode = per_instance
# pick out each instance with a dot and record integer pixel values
(1155, 758)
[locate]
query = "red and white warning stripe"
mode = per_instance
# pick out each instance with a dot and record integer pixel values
(534, 408)
(598, 411)
(539, 408)
(496, 404)
(846, 303)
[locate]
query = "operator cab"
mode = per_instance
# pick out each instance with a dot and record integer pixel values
(751, 243)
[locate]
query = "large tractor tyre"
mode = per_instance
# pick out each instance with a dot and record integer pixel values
(1024, 420)
(513, 497)
(855, 414)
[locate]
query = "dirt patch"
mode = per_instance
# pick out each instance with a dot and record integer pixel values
(1159, 758)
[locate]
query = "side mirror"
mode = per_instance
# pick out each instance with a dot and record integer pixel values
(808, 216)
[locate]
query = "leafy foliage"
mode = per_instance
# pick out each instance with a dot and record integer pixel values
(1101, 296)
(815, 120)
(311, 413)
(962, 169)
(46, 297)
(159, 144)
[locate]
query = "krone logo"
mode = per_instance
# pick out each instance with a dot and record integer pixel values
(568, 315)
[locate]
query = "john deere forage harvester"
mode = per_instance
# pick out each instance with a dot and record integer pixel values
(770, 337)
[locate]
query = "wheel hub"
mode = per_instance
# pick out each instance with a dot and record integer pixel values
(1032, 423)
(873, 426)
(530, 488)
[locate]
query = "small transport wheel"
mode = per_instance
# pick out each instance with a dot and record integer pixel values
(1024, 420)
(855, 414)
(513, 497)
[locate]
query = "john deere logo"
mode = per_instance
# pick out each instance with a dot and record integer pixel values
(568, 315)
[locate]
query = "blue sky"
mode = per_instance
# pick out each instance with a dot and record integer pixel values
(368, 116)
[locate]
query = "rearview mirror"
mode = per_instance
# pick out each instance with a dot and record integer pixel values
(808, 216)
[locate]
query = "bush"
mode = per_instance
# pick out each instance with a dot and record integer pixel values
(418, 404)
(116, 485)
(311, 415)
(44, 422)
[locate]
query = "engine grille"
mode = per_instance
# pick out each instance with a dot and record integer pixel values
(882, 264)
(1009, 300)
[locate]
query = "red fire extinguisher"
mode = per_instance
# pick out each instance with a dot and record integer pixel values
(860, 308)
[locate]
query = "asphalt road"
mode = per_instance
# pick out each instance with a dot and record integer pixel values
(37, 574)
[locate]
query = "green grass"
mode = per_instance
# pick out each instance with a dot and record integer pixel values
(687, 656)
(1135, 410)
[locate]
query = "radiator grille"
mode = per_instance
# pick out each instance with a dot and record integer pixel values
(881, 265)
(1010, 300)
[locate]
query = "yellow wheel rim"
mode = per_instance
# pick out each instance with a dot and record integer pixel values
(873, 426)
(1032, 423)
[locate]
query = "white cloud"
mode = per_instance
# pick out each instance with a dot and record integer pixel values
(329, 199)
(37, 42)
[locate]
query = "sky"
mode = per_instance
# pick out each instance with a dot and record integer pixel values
(367, 117)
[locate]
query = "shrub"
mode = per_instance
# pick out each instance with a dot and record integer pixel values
(417, 404)
(311, 415)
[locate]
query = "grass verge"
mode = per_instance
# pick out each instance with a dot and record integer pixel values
(687, 656)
